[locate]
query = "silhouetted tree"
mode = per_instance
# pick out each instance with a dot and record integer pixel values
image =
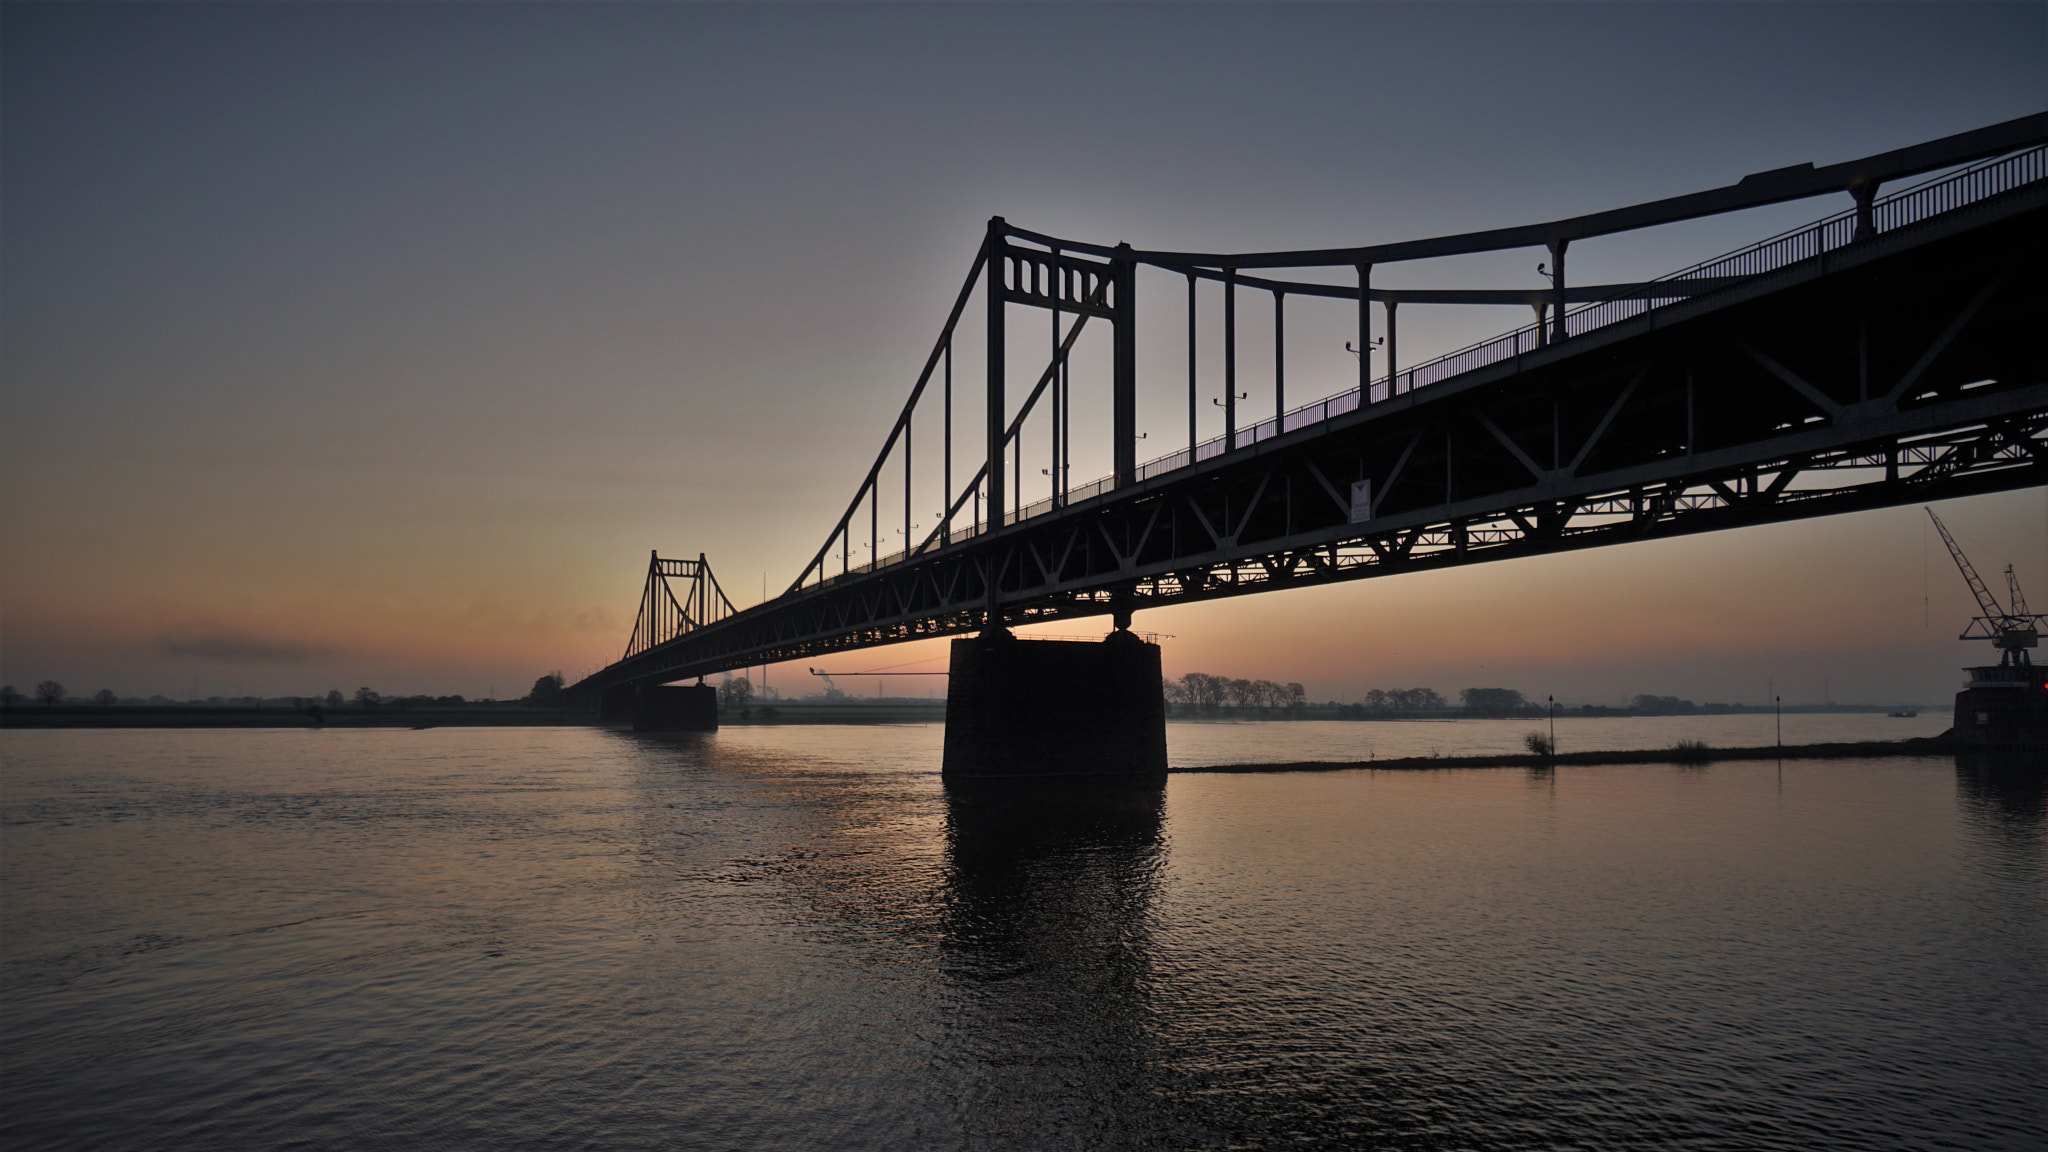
(334, 697)
(1205, 692)
(1663, 706)
(8, 695)
(1201, 692)
(104, 697)
(1261, 694)
(547, 691)
(1405, 700)
(1492, 700)
(50, 693)
(1174, 692)
(367, 697)
(735, 692)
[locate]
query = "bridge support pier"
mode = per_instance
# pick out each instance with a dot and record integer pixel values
(685, 708)
(2003, 705)
(1043, 708)
(616, 704)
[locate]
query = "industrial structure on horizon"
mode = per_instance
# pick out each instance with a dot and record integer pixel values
(2006, 702)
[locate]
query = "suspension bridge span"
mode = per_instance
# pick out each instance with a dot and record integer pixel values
(1890, 353)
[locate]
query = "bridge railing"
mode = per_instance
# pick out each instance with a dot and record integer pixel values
(1902, 209)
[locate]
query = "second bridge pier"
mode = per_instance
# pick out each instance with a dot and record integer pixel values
(1024, 708)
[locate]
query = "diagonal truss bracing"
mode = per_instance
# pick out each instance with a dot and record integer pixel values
(664, 617)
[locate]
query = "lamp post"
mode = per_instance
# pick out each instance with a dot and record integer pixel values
(1778, 710)
(1550, 709)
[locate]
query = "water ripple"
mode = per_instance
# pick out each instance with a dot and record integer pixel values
(800, 938)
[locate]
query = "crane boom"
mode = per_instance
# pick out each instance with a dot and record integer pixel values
(2012, 631)
(1976, 582)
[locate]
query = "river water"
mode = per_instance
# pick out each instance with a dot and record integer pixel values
(798, 938)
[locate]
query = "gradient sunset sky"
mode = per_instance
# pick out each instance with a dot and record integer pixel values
(378, 344)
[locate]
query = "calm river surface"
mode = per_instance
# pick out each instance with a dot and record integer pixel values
(797, 938)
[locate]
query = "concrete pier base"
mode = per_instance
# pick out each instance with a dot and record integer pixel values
(691, 708)
(1022, 708)
(2005, 705)
(615, 704)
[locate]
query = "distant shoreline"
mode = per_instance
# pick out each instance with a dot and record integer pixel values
(515, 715)
(27, 716)
(207, 716)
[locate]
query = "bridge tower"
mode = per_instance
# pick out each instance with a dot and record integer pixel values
(663, 618)
(1052, 708)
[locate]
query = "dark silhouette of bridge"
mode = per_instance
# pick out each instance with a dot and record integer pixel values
(1893, 353)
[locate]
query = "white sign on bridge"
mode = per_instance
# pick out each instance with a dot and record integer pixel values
(1361, 501)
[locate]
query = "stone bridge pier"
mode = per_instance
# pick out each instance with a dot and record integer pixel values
(664, 708)
(1050, 708)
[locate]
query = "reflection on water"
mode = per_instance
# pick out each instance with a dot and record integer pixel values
(2008, 787)
(1048, 928)
(1072, 868)
(2003, 797)
(1205, 742)
(541, 939)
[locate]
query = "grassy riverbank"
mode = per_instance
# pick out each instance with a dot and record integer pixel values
(208, 716)
(1695, 755)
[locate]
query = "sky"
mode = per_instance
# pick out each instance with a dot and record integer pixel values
(376, 345)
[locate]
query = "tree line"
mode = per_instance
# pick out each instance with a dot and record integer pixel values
(1471, 701)
(52, 693)
(1194, 693)
(548, 692)
(1201, 692)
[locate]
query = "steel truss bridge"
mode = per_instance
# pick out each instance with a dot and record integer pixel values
(1896, 352)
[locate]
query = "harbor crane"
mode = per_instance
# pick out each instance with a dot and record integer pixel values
(2012, 630)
